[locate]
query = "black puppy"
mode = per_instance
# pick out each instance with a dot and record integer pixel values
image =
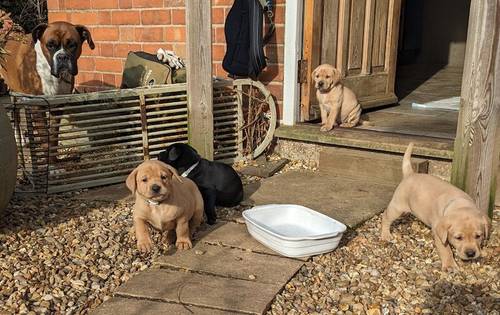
(218, 183)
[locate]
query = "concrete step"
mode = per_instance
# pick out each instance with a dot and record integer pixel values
(430, 147)
(377, 167)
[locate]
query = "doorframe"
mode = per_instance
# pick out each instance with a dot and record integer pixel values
(477, 143)
(293, 53)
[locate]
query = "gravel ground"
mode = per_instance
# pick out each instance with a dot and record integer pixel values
(60, 254)
(365, 275)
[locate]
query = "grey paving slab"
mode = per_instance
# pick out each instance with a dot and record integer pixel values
(233, 263)
(236, 235)
(350, 201)
(118, 192)
(201, 290)
(263, 168)
(377, 167)
(127, 306)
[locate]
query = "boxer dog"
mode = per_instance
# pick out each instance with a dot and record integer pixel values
(46, 66)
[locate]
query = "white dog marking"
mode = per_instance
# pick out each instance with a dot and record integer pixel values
(50, 84)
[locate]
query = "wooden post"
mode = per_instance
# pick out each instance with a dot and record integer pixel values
(313, 10)
(199, 76)
(293, 53)
(476, 145)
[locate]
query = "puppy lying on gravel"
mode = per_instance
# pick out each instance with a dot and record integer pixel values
(451, 213)
(218, 183)
(166, 201)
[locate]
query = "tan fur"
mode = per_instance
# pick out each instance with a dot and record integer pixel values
(452, 215)
(19, 68)
(338, 104)
(180, 207)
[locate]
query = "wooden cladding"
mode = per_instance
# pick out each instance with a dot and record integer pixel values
(358, 37)
(361, 27)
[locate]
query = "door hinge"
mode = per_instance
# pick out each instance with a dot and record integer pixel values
(302, 75)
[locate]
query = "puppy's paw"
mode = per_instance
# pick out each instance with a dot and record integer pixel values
(450, 266)
(386, 236)
(211, 221)
(347, 125)
(171, 237)
(144, 245)
(325, 128)
(184, 244)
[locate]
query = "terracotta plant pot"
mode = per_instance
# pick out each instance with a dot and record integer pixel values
(8, 163)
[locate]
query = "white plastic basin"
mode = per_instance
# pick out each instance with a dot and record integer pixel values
(293, 230)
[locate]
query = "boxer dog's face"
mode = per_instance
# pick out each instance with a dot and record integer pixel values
(61, 44)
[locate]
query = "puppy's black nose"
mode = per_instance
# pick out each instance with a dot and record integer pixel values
(321, 83)
(155, 188)
(470, 253)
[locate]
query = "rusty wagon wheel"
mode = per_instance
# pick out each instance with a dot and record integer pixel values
(257, 117)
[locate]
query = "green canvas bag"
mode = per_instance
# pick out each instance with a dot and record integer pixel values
(144, 69)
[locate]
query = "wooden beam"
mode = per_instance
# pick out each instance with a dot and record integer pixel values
(476, 145)
(199, 76)
(311, 53)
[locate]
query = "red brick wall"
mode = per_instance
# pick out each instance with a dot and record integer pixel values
(119, 26)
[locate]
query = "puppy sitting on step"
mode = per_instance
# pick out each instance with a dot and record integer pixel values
(166, 201)
(450, 213)
(338, 104)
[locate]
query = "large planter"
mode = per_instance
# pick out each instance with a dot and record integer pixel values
(8, 167)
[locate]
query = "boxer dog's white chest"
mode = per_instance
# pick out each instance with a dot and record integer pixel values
(50, 84)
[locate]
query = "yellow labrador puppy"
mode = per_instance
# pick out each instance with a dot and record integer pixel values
(166, 201)
(338, 104)
(452, 215)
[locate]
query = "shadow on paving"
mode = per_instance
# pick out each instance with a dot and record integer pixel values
(350, 201)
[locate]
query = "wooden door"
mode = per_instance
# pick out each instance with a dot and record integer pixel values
(360, 38)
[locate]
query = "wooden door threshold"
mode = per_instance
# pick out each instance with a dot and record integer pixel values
(429, 147)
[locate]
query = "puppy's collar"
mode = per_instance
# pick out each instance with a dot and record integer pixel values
(152, 202)
(186, 172)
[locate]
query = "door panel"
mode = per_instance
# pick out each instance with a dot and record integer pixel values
(355, 39)
(360, 38)
(379, 34)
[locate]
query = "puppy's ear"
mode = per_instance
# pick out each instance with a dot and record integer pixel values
(336, 75)
(441, 230)
(173, 154)
(174, 173)
(313, 74)
(131, 181)
(38, 32)
(85, 35)
(486, 226)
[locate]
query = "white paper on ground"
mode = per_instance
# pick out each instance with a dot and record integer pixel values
(451, 103)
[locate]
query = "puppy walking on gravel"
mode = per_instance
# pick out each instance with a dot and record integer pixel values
(338, 104)
(167, 202)
(450, 213)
